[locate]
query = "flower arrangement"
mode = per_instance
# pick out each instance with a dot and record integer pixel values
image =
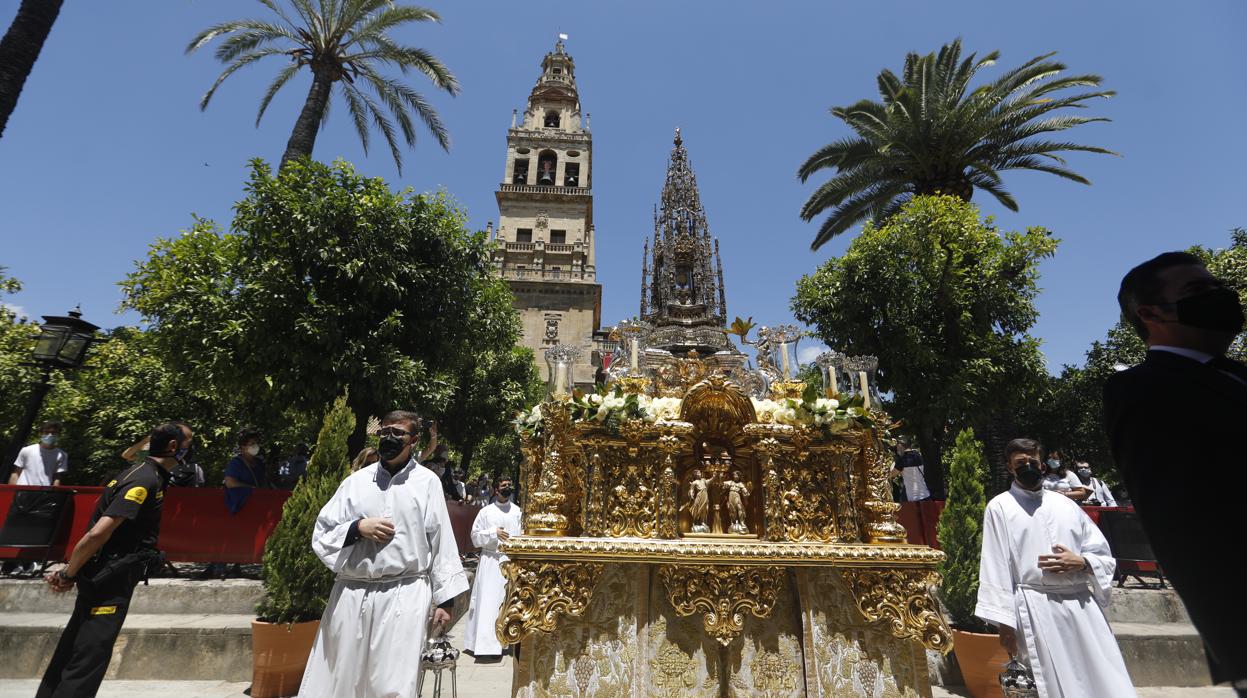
(610, 408)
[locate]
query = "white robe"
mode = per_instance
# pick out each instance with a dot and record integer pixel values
(1062, 632)
(373, 629)
(489, 587)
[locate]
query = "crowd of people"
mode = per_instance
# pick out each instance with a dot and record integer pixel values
(1046, 570)
(1075, 480)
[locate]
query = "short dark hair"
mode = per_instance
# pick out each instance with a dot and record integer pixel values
(248, 434)
(52, 424)
(402, 416)
(1022, 446)
(1142, 285)
(160, 438)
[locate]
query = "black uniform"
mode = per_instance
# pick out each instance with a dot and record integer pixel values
(107, 581)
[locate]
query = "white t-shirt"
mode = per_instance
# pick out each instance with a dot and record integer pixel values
(39, 466)
(1063, 483)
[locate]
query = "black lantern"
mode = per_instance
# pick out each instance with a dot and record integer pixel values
(63, 344)
(64, 340)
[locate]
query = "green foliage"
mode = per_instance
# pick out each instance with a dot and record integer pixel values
(342, 43)
(961, 533)
(490, 390)
(946, 302)
(932, 133)
(296, 582)
(1068, 412)
(17, 341)
(327, 279)
(496, 455)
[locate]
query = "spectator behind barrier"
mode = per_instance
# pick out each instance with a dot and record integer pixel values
(41, 464)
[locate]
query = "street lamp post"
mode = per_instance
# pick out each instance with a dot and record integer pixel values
(63, 342)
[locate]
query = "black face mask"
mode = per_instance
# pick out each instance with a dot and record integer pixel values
(1218, 310)
(1028, 474)
(390, 447)
(505, 492)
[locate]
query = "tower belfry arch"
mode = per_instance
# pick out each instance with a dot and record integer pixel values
(544, 243)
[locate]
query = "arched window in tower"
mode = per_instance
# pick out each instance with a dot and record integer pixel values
(571, 174)
(552, 119)
(547, 163)
(520, 176)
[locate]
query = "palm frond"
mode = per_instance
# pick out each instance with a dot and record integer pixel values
(993, 185)
(359, 115)
(242, 62)
(379, 23)
(280, 81)
(853, 211)
(245, 40)
(841, 154)
(241, 25)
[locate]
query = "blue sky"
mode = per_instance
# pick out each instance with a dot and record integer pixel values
(108, 149)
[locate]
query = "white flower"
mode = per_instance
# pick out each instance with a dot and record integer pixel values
(664, 408)
(826, 404)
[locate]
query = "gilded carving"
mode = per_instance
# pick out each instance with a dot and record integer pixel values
(902, 601)
(539, 592)
(880, 522)
(722, 594)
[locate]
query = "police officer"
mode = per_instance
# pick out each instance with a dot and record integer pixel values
(106, 564)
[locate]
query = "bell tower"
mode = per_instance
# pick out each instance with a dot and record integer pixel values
(545, 239)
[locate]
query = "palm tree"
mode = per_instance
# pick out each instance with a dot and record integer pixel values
(20, 48)
(341, 42)
(933, 134)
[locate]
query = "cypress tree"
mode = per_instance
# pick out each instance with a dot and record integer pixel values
(296, 582)
(961, 533)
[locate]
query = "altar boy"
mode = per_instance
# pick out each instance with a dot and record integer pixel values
(387, 536)
(494, 523)
(1045, 578)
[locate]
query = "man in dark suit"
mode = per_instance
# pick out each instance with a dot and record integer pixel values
(1175, 422)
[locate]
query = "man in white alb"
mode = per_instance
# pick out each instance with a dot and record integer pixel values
(495, 522)
(1045, 578)
(387, 536)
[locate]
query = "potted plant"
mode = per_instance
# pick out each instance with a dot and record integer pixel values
(296, 582)
(976, 646)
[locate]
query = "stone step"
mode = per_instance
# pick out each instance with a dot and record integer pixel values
(162, 595)
(1136, 605)
(173, 646)
(1163, 654)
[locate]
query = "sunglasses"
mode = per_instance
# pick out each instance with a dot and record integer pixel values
(393, 431)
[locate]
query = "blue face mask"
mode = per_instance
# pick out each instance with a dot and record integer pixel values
(48, 439)
(181, 453)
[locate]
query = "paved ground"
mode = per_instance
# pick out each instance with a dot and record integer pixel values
(485, 686)
(485, 680)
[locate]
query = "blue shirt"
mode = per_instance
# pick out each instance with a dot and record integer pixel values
(251, 476)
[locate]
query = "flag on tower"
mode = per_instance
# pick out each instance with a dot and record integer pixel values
(563, 37)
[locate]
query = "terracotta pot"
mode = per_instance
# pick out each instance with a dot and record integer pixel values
(981, 659)
(279, 655)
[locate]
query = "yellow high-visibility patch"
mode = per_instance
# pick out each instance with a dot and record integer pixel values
(138, 495)
(160, 494)
(112, 483)
(103, 610)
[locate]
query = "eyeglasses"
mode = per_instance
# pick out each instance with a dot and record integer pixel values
(394, 431)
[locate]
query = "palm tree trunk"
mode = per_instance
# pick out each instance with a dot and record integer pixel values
(303, 138)
(20, 48)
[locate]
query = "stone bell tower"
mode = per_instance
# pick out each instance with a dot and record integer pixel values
(545, 245)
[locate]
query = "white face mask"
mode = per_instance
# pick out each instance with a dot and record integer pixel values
(253, 450)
